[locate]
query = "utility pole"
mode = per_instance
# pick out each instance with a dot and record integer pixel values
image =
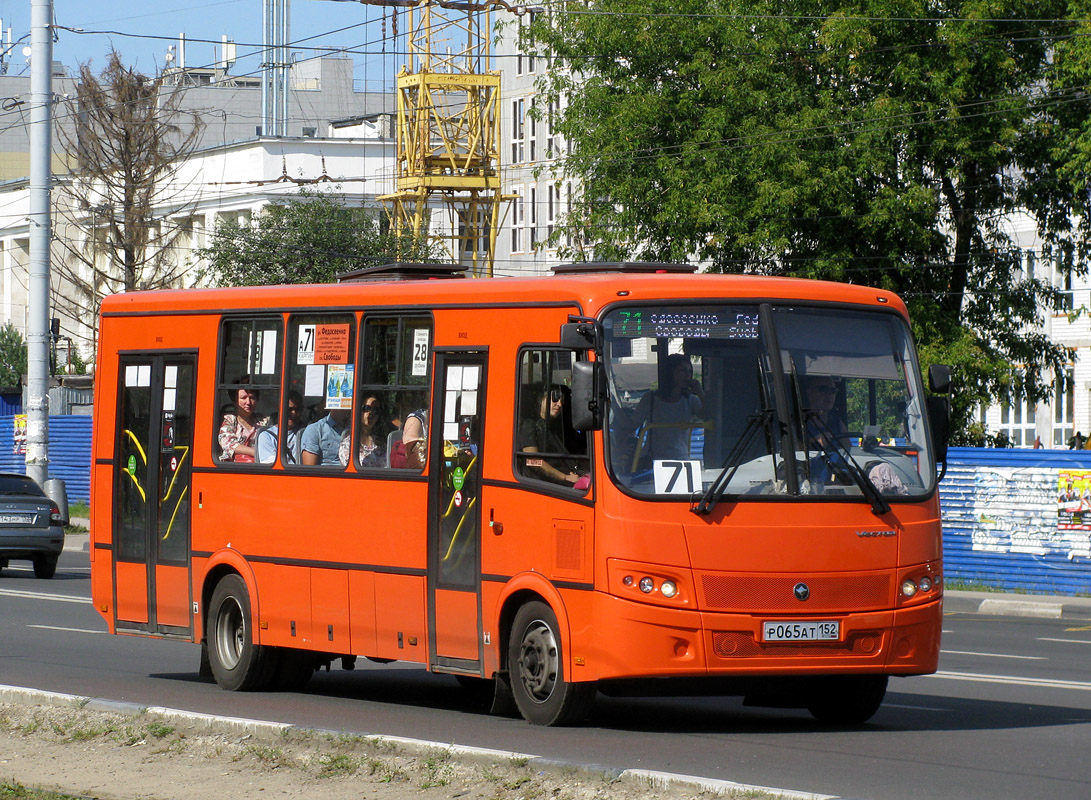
(41, 129)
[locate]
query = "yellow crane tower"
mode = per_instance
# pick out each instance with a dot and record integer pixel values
(448, 130)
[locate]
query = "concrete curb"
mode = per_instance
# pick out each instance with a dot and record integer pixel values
(1013, 605)
(18, 695)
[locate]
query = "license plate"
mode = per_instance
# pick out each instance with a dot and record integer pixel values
(16, 519)
(801, 631)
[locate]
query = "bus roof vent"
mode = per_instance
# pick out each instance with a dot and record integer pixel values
(403, 271)
(653, 267)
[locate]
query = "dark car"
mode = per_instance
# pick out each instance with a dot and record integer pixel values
(31, 525)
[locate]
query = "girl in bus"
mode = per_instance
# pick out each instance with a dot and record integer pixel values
(239, 429)
(372, 436)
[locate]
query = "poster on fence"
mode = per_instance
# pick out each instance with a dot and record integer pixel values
(1074, 499)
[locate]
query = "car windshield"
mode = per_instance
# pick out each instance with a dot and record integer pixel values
(18, 484)
(732, 400)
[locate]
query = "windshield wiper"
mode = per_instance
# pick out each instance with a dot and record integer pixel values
(848, 464)
(715, 491)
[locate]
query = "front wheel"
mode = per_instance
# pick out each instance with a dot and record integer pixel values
(238, 664)
(535, 662)
(847, 699)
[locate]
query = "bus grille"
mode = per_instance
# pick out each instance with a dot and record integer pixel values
(773, 594)
(741, 644)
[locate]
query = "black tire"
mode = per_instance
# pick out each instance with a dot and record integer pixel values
(238, 664)
(847, 699)
(45, 566)
(536, 666)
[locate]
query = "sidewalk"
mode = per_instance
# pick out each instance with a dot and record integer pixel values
(954, 602)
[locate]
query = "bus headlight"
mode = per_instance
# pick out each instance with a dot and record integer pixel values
(668, 589)
(909, 587)
(647, 585)
(926, 584)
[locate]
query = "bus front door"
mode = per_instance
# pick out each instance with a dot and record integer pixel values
(151, 494)
(454, 549)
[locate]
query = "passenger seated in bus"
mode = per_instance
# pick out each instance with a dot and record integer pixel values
(321, 440)
(411, 451)
(665, 418)
(372, 436)
(268, 438)
(239, 428)
(544, 433)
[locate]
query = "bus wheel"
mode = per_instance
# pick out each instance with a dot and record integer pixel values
(535, 661)
(847, 699)
(237, 663)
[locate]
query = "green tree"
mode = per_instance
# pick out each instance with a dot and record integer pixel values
(308, 239)
(885, 142)
(13, 356)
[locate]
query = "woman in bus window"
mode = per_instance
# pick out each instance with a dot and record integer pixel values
(372, 436)
(239, 429)
(544, 433)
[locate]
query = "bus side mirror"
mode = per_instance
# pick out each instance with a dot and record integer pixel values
(588, 395)
(939, 419)
(581, 334)
(939, 378)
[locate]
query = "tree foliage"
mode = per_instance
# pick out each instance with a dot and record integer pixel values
(307, 239)
(126, 138)
(893, 143)
(13, 356)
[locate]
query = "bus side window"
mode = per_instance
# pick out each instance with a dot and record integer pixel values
(248, 389)
(547, 447)
(395, 378)
(322, 369)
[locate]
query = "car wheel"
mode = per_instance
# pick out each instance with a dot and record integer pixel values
(238, 664)
(45, 566)
(536, 665)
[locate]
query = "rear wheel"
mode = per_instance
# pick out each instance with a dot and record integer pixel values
(238, 664)
(847, 699)
(535, 662)
(45, 566)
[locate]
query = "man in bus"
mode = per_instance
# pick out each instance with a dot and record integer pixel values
(268, 437)
(322, 439)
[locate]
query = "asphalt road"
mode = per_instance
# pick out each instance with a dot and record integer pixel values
(1008, 715)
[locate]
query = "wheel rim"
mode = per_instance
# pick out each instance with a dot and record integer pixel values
(539, 664)
(230, 633)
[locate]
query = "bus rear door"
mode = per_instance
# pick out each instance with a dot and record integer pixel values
(454, 547)
(151, 493)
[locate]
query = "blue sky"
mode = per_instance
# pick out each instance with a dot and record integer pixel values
(141, 30)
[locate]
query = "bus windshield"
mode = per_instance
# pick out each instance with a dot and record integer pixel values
(766, 399)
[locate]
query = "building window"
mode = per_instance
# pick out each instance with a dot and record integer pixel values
(1064, 410)
(518, 126)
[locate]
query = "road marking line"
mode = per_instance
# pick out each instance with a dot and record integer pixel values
(1013, 680)
(993, 655)
(914, 708)
(61, 598)
(1066, 641)
(69, 630)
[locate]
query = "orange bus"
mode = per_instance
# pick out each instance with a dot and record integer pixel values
(624, 478)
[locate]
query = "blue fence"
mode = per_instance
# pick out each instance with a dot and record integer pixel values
(69, 453)
(1012, 519)
(1018, 519)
